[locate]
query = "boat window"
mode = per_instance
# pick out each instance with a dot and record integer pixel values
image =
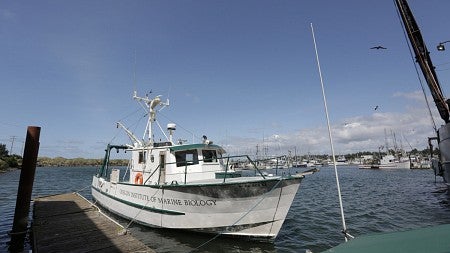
(162, 144)
(141, 156)
(209, 156)
(186, 157)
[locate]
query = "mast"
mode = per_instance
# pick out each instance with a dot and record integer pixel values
(423, 58)
(149, 106)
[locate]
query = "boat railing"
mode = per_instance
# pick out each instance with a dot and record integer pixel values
(240, 156)
(226, 161)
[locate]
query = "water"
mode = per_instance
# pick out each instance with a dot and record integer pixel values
(374, 201)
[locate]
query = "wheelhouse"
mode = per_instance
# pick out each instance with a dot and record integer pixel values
(178, 164)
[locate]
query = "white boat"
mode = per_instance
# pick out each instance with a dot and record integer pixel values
(191, 187)
(392, 162)
(341, 161)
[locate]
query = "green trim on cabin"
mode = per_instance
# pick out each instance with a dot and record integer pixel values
(196, 146)
(151, 209)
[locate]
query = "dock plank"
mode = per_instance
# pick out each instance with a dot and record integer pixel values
(69, 223)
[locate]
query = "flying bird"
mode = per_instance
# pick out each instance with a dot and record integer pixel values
(378, 47)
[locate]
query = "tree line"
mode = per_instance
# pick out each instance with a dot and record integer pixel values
(66, 162)
(15, 161)
(8, 161)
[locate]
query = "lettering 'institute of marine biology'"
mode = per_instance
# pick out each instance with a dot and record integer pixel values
(170, 201)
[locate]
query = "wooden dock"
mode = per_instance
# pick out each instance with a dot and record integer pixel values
(70, 223)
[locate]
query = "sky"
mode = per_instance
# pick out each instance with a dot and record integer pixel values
(243, 73)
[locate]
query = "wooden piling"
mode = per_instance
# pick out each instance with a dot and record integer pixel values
(70, 223)
(25, 188)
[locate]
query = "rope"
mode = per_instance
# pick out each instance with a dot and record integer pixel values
(242, 217)
(93, 204)
(124, 229)
(84, 188)
(132, 220)
(347, 235)
(180, 126)
(135, 125)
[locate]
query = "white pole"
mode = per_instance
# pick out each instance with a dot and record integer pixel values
(331, 139)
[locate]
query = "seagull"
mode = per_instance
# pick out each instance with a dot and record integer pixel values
(378, 47)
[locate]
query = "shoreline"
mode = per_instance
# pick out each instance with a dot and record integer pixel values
(7, 170)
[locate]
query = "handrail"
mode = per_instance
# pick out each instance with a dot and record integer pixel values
(226, 170)
(187, 163)
(185, 172)
(157, 168)
(256, 167)
(225, 161)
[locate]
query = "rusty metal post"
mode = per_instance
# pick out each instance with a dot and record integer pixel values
(19, 229)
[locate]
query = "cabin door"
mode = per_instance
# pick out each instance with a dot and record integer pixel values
(162, 168)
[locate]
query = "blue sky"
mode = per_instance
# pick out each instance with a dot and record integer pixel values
(241, 72)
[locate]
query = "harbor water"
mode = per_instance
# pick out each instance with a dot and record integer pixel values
(374, 201)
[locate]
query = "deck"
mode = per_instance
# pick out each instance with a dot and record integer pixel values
(70, 223)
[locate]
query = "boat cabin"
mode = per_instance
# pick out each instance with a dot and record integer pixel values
(180, 164)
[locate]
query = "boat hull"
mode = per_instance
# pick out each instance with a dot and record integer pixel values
(255, 208)
(444, 147)
(397, 165)
(387, 166)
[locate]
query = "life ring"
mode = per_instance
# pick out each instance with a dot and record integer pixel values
(139, 179)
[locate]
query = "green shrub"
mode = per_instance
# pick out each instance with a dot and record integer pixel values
(12, 162)
(3, 165)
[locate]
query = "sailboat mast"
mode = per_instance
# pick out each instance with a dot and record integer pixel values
(423, 58)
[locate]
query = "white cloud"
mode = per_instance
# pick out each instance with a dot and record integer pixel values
(361, 133)
(415, 95)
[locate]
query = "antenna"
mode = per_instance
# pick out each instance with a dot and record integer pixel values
(168, 94)
(346, 235)
(134, 72)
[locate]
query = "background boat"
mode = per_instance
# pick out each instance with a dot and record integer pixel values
(392, 162)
